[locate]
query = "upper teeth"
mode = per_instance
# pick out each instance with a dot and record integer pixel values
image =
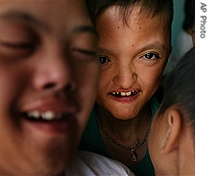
(48, 115)
(124, 93)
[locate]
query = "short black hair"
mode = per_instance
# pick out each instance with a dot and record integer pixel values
(179, 88)
(189, 19)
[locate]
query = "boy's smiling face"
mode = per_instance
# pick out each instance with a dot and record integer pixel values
(133, 58)
(48, 80)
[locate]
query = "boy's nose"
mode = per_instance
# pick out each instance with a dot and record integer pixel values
(125, 76)
(54, 72)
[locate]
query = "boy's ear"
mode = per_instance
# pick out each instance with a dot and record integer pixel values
(172, 134)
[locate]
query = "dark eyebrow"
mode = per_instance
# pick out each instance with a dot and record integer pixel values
(24, 17)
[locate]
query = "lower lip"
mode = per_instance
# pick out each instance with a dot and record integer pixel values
(126, 99)
(53, 127)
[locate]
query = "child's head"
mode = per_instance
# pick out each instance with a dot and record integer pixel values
(48, 80)
(134, 45)
(179, 87)
(174, 124)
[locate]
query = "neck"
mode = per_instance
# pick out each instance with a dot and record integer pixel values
(125, 129)
(186, 152)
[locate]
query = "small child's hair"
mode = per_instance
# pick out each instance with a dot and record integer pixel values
(179, 88)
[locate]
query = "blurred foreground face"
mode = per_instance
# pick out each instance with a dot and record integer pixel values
(48, 80)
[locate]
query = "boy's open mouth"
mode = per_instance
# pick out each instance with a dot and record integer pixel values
(124, 94)
(45, 116)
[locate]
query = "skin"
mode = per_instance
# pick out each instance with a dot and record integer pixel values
(133, 58)
(48, 63)
(171, 143)
(126, 67)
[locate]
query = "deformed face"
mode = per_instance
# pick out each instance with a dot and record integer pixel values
(48, 79)
(133, 58)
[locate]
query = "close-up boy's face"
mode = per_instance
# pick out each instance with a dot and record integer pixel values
(133, 58)
(48, 80)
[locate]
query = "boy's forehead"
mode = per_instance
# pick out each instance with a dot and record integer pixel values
(72, 5)
(34, 15)
(140, 13)
(134, 15)
(136, 12)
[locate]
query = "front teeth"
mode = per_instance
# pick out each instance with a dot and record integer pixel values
(124, 94)
(48, 115)
(34, 114)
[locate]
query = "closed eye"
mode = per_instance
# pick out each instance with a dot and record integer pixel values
(17, 50)
(83, 54)
(86, 51)
(18, 46)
